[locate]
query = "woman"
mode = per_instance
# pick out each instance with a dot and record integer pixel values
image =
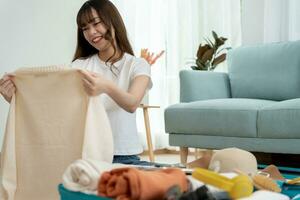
(108, 68)
(113, 72)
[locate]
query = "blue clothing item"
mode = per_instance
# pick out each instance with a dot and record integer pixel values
(135, 160)
(131, 160)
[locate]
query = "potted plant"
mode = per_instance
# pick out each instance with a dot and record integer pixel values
(209, 55)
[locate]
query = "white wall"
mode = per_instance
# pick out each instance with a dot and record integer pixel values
(34, 33)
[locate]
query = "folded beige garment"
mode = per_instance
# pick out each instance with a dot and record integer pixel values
(51, 123)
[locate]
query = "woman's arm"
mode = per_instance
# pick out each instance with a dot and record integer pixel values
(7, 87)
(96, 84)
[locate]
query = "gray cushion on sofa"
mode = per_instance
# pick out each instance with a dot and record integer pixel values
(269, 71)
(223, 117)
(280, 120)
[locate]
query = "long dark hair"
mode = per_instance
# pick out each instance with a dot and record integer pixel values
(111, 18)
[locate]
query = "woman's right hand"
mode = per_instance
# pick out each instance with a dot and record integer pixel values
(7, 87)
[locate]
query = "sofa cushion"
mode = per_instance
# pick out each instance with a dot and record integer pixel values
(269, 71)
(219, 117)
(280, 120)
(196, 85)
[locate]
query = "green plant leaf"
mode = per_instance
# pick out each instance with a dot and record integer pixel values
(199, 61)
(207, 56)
(218, 60)
(215, 35)
(202, 49)
(209, 43)
(227, 48)
(223, 39)
(201, 65)
(195, 68)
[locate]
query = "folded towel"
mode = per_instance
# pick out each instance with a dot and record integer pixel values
(83, 175)
(134, 184)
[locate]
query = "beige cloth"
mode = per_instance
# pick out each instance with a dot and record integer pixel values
(231, 159)
(51, 123)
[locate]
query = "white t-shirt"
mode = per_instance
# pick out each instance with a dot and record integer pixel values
(123, 123)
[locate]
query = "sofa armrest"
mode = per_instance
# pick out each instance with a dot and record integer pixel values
(202, 85)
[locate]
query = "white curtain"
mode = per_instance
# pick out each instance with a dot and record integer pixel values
(281, 20)
(177, 27)
(265, 21)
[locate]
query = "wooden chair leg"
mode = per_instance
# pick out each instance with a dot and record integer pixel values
(184, 154)
(148, 134)
(197, 152)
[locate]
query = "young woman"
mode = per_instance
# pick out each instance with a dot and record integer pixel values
(109, 68)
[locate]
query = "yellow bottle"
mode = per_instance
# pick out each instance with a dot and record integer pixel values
(237, 187)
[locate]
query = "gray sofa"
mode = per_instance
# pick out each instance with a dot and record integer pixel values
(255, 106)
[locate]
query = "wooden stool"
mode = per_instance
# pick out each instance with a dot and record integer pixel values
(147, 128)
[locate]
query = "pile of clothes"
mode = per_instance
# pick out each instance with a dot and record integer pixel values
(134, 182)
(233, 179)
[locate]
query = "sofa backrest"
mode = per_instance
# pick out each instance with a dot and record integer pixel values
(266, 71)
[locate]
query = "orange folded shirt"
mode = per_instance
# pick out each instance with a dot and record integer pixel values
(134, 184)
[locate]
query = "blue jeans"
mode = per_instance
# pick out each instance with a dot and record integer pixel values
(131, 160)
(135, 160)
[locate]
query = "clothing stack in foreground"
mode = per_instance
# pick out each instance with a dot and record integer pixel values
(150, 183)
(120, 181)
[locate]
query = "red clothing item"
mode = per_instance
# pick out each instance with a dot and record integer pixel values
(134, 184)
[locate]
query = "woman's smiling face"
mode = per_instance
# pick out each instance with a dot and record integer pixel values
(94, 31)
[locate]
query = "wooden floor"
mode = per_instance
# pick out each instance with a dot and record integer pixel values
(166, 156)
(286, 160)
(172, 157)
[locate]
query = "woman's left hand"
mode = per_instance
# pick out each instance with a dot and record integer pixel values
(151, 57)
(93, 83)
